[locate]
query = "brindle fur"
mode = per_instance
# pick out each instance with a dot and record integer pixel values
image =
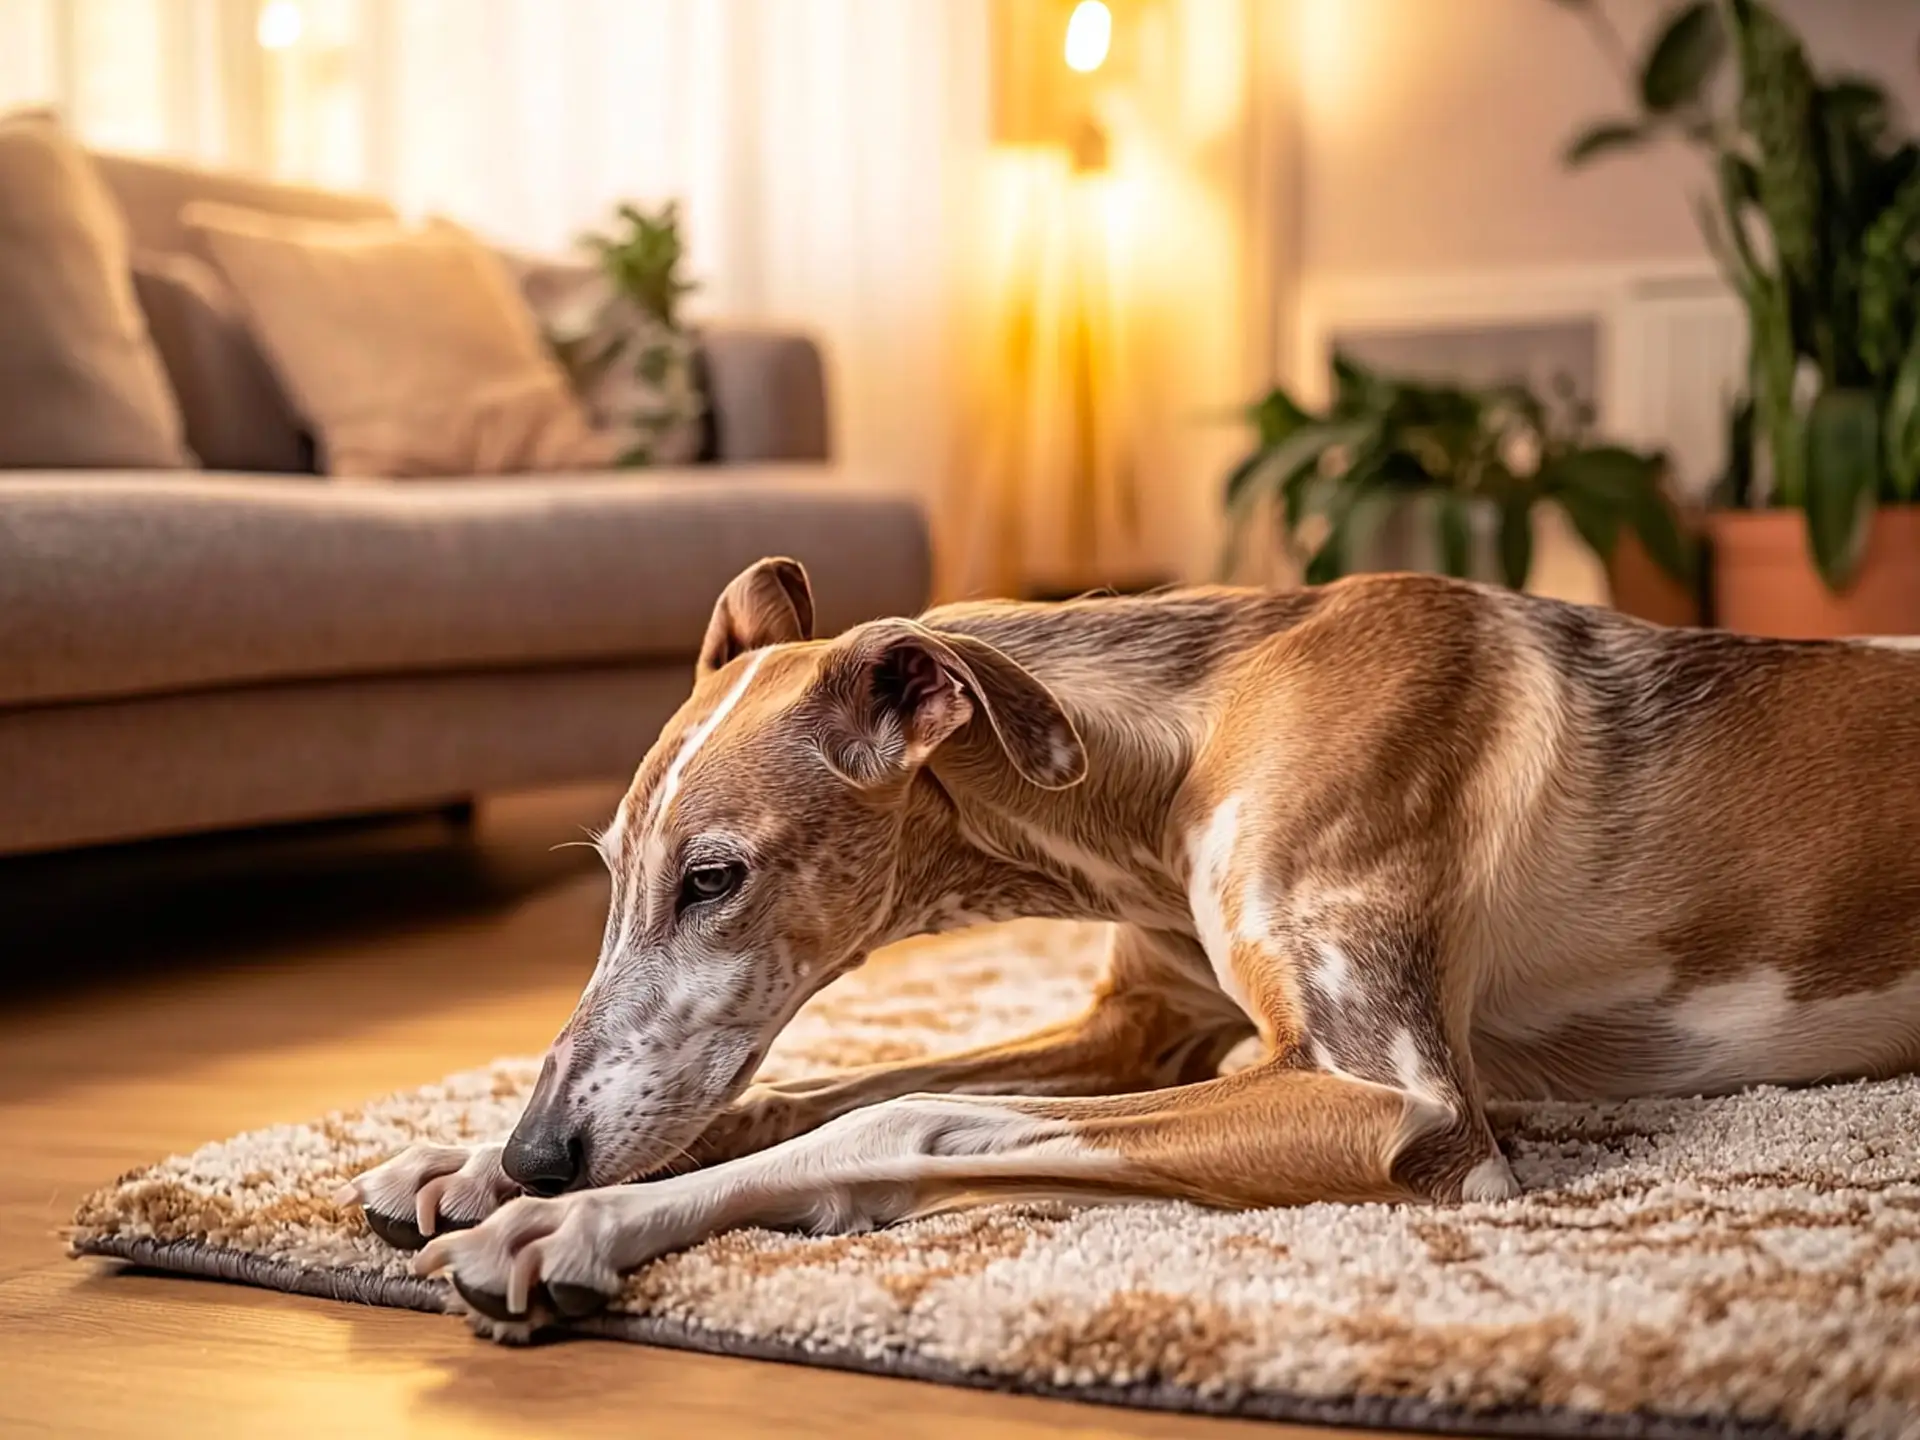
(1430, 841)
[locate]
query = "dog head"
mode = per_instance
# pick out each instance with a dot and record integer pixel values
(758, 855)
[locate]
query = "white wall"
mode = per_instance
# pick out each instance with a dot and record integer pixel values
(1431, 131)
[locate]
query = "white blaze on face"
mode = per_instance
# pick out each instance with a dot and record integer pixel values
(619, 841)
(696, 737)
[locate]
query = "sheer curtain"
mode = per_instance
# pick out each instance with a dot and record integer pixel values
(142, 75)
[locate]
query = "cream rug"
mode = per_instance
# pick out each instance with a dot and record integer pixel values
(1673, 1268)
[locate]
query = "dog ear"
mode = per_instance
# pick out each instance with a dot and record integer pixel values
(768, 603)
(905, 689)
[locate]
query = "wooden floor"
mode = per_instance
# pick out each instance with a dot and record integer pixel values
(180, 993)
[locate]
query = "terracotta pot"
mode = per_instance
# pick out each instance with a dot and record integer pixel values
(1640, 588)
(1764, 582)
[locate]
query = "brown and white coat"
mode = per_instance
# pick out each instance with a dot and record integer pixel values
(1428, 841)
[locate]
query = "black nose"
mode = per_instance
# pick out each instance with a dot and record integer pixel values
(545, 1162)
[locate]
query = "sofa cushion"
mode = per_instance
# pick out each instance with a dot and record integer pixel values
(408, 351)
(152, 193)
(237, 417)
(125, 585)
(80, 381)
(266, 754)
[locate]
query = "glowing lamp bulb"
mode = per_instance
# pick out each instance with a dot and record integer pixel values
(1089, 33)
(280, 25)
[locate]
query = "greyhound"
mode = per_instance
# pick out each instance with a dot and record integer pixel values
(1429, 841)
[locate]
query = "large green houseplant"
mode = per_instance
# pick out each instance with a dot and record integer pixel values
(1467, 466)
(1814, 218)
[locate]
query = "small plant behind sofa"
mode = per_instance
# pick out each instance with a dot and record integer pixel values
(629, 349)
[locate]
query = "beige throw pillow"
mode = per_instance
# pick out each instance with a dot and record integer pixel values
(407, 351)
(80, 382)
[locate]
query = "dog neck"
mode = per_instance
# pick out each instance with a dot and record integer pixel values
(979, 844)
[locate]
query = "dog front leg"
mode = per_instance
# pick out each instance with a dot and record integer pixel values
(1273, 1135)
(1156, 1020)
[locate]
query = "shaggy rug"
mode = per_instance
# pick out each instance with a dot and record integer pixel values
(1740, 1265)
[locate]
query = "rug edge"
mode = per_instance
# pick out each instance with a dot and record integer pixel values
(202, 1260)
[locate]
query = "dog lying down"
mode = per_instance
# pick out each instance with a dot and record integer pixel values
(1429, 842)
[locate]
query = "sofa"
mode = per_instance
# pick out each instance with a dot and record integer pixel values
(192, 650)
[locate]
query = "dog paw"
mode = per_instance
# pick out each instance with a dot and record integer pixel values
(533, 1265)
(430, 1189)
(1490, 1180)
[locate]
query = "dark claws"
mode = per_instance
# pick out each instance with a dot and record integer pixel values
(576, 1302)
(487, 1303)
(401, 1233)
(569, 1302)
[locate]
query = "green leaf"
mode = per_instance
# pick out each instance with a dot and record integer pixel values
(1683, 58)
(1277, 416)
(1595, 521)
(1516, 540)
(1296, 497)
(1774, 363)
(1329, 562)
(1656, 524)
(1612, 474)
(1739, 181)
(1603, 139)
(1455, 535)
(1346, 497)
(1242, 475)
(1605, 486)
(1778, 111)
(1734, 489)
(1859, 104)
(1842, 480)
(1903, 426)
(1300, 451)
(1290, 471)
(1358, 390)
(653, 363)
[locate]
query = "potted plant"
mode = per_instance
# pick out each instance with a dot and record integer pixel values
(1814, 218)
(625, 347)
(1399, 473)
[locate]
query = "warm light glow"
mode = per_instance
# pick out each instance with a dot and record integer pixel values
(281, 25)
(1089, 33)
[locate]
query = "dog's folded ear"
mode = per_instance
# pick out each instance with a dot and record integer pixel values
(768, 603)
(899, 690)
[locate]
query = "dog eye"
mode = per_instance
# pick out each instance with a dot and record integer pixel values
(704, 884)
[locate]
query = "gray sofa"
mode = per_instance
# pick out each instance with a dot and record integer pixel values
(186, 651)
